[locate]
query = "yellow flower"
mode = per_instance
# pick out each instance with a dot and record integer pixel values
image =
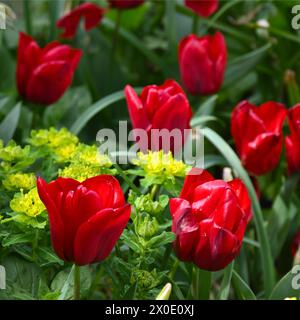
(19, 181)
(62, 143)
(159, 163)
(79, 172)
(89, 155)
(28, 203)
(292, 298)
(13, 153)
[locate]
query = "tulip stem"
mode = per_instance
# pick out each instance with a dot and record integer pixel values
(201, 284)
(27, 16)
(154, 191)
(196, 22)
(76, 282)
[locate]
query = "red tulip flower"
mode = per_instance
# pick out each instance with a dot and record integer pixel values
(295, 244)
(43, 75)
(159, 107)
(203, 8)
(292, 142)
(86, 219)
(125, 4)
(209, 220)
(257, 133)
(202, 63)
(90, 12)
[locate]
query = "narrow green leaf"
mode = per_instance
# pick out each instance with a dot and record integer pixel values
(84, 118)
(242, 289)
(9, 124)
(196, 121)
(225, 285)
(235, 163)
(240, 66)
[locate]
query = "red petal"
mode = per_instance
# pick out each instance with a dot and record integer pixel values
(56, 224)
(203, 8)
(109, 190)
(97, 237)
(28, 58)
(136, 109)
(194, 178)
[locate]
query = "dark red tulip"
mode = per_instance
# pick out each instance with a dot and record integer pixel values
(203, 8)
(257, 133)
(295, 244)
(43, 75)
(292, 142)
(159, 107)
(209, 219)
(86, 219)
(90, 12)
(125, 4)
(202, 63)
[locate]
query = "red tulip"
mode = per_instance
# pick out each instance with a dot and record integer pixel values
(209, 220)
(202, 62)
(257, 133)
(295, 244)
(43, 75)
(86, 219)
(203, 8)
(90, 12)
(159, 107)
(292, 142)
(125, 4)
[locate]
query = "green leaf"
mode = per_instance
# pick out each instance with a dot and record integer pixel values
(225, 285)
(240, 66)
(48, 255)
(288, 286)
(9, 124)
(196, 121)
(242, 289)
(207, 108)
(161, 240)
(131, 240)
(235, 163)
(81, 122)
(17, 239)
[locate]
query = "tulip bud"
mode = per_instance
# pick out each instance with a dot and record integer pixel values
(147, 226)
(165, 292)
(203, 8)
(202, 62)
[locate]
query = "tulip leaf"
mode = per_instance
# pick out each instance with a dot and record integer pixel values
(197, 121)
(225, 285)
(265, 249)
(242, 289)
(207, 108)
(9, 125)
(240, 66)
(288, 286)
(86, 116)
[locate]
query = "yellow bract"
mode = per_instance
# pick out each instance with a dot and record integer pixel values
(28, 203)
(19, 181)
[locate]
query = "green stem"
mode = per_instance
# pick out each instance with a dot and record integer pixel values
(95, 281)
(174, 269)
(76, 282)
(196, 22)
(201, 284)
(35, 245)
(153, 191)
(225, 285)
(27, 15)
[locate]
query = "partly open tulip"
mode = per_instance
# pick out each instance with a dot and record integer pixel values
(43, 75)
(292, 142)
(202, 63)
(125, 4)
(209, 220)
(90, 12)
(158, 108)
(257, 133)
(86, 219)
(203, 8)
